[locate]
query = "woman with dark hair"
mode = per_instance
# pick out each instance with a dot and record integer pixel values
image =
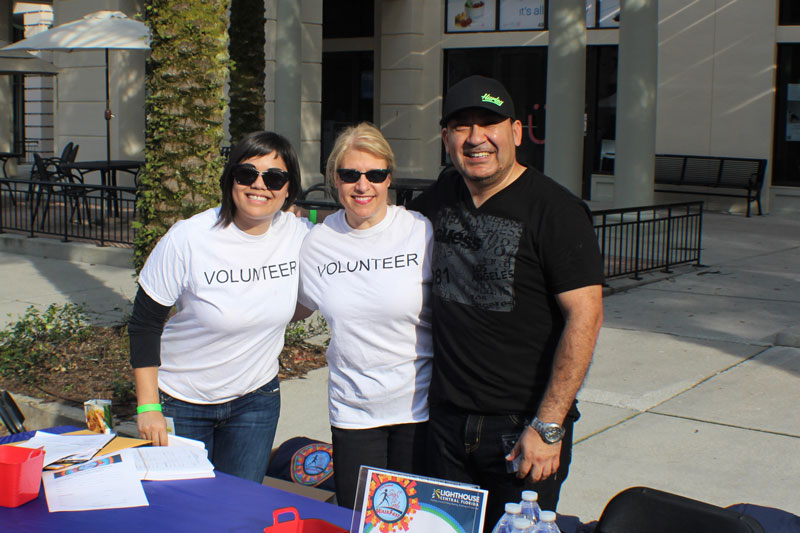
(232, 274)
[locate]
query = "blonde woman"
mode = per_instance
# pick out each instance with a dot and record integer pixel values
(366, 269)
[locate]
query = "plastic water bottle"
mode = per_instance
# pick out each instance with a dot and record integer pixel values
(530, 505)
(547, 523)
(522, 525)
(506, 522)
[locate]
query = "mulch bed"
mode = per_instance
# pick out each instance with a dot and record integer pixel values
(99, 368)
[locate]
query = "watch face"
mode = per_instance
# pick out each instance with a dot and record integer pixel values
(553, 434)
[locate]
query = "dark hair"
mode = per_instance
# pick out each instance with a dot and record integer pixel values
(257, 144)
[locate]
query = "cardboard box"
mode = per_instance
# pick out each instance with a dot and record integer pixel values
(302, 490)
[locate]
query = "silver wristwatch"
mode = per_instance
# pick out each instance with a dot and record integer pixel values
(550, 433)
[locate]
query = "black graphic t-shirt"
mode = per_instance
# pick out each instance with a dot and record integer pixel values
(496, 271)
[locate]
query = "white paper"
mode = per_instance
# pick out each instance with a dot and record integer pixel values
(108, 482)
(58, 447)
(159, 463)
(177, 440)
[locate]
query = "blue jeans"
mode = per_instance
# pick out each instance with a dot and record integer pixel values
(238, 434)
(469, 448)
(400, 447)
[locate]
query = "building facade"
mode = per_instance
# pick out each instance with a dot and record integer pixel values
(599, 85)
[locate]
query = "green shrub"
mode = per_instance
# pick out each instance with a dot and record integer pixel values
(29, 342)
(298, 332)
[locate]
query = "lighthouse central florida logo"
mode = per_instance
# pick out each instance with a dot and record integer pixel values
(392, 502)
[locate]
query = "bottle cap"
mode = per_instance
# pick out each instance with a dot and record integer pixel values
(513, 508)
(521, 523)
(547, 516)
(530, 495)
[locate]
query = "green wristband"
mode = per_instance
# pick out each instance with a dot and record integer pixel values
(148, 407)
(312, 215)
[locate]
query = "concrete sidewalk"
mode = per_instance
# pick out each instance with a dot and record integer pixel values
(693, 388)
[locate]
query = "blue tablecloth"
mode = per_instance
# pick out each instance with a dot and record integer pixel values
(224, 503)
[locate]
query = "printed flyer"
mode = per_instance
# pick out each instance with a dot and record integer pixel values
(396, 502)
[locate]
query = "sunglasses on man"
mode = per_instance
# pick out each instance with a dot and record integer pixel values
(246, 174)
(351, 175)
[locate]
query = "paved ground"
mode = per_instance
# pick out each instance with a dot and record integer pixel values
(694, 386)
(693, 389)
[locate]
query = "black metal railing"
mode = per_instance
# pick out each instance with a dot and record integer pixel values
(632, 240)
(72, 211)
(640, 239)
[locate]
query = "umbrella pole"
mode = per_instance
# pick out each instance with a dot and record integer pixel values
(108, 116)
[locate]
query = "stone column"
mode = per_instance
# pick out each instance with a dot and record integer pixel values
(637, 83)
(566, 82)
(399, 72)
(288, 74)
(6, 109)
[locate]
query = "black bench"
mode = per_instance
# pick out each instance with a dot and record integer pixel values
(713, 172)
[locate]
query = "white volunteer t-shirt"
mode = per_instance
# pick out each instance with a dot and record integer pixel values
(234, 292)
(373, 287)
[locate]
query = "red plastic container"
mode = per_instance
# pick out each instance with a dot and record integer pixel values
(299, 525)
(20, 474)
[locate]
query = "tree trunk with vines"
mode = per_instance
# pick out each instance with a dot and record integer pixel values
(185, 106)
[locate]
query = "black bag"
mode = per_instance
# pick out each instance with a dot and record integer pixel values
(645, 510)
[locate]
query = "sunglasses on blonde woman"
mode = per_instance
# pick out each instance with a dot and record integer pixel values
(274, 178)
(350, 175)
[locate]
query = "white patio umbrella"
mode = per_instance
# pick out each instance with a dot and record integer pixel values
(102, 30)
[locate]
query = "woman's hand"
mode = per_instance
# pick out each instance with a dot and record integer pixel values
(151, 424)
(153, 427)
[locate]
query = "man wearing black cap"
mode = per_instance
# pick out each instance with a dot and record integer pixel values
(517, 302)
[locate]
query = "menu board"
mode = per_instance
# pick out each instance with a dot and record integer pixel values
(471, 15)
(522, 15)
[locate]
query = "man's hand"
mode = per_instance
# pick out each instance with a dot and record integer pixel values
(153, 427)
(539, 459)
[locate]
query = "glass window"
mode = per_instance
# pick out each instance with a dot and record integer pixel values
(523, 71)
(347, 94)
(602, 13)
(354, 18)
(519, 15)
(601, 107)
(786, 149)
(608, 14)
(471, 15)
(522, 15)
(790, 12)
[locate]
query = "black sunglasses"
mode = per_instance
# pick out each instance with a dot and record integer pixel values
(246, 174)
(351, 175)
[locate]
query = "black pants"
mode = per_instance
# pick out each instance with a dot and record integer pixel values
(400, 447)
(469, 448)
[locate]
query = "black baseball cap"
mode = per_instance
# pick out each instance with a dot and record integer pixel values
(477, 91)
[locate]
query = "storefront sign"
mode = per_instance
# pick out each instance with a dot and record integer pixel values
(522, 15)
(471, 15)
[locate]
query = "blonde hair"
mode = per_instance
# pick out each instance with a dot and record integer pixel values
(365, 137)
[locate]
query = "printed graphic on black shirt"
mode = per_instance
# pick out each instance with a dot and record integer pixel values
(474, 259)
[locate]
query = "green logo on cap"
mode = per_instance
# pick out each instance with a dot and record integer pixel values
(492, 100)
